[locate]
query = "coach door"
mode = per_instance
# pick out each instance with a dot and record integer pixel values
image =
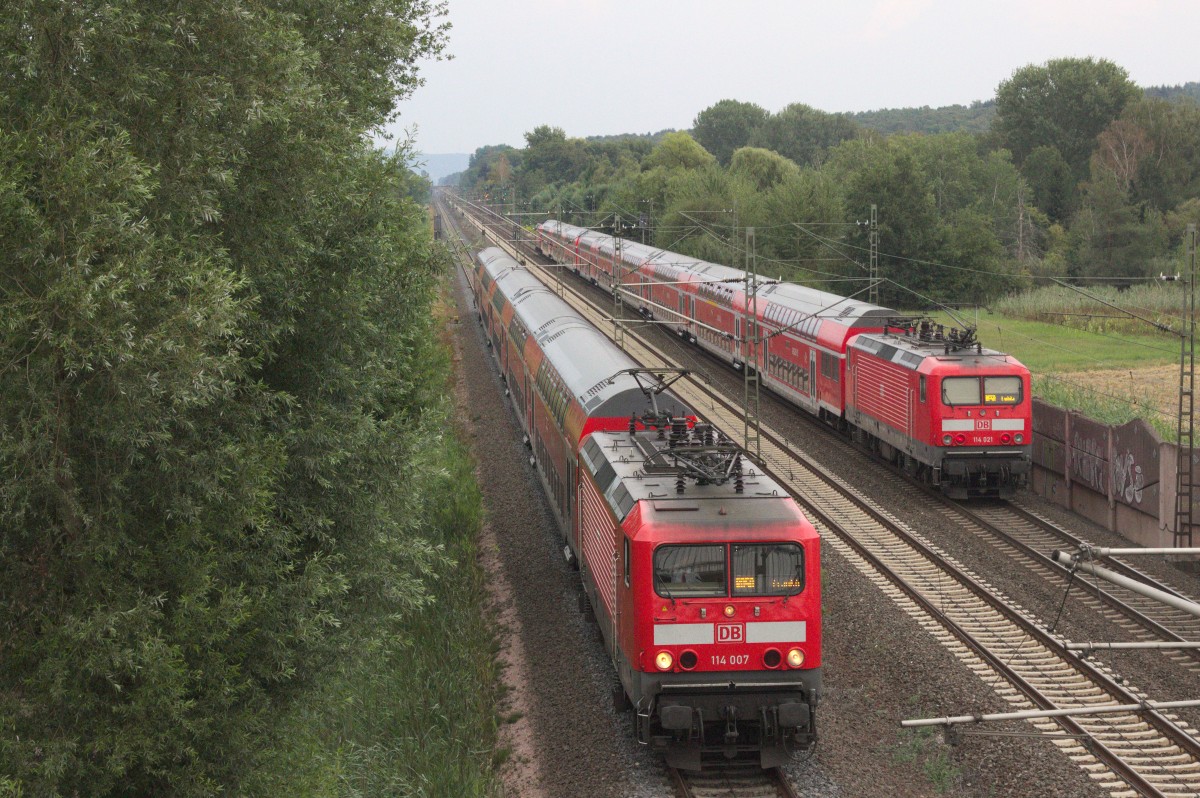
(569, 493)
(812, 374)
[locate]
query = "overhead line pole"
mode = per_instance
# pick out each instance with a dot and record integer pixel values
(617, 280)
(873, 239)
(752, 432)
(1184, 472)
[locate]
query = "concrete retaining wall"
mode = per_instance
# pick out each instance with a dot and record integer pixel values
(1122, 478)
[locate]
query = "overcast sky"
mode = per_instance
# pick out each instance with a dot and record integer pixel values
(599, 67)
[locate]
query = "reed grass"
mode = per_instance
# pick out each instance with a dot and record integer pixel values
(1137, 310)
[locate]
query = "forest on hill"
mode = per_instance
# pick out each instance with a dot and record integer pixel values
(1070, 171)
(976, 117)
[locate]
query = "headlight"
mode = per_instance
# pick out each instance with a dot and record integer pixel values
(1019, 438)
(728, 610)
(795, 658)
(947, 439)
(664, 661)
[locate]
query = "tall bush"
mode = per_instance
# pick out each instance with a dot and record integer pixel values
(212, 283)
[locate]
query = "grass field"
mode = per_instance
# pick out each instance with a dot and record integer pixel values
(1046, 347)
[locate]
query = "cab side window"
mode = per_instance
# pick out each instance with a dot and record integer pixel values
(625, 554)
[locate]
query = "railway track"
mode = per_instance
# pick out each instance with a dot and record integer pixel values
(732, 779)
(1028, 539)
(1145, 753)
(1140, 617)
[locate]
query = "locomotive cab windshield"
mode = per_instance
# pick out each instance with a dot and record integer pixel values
(733, 570)
(994, 390)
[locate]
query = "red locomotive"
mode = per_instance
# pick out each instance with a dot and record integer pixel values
(702, 573)
(935, 403)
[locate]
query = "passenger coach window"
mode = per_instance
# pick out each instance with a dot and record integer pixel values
(689, 571)
(1001, 390)
(775, 569)
(961, 391)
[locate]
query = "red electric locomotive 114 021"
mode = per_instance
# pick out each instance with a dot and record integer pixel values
(935, 403)
(702, 572)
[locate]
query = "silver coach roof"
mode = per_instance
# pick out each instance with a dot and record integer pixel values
(794, 302)
(585, 359)
(803, 302)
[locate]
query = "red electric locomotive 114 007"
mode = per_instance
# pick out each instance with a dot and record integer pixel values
(937, 404)
(702, 573)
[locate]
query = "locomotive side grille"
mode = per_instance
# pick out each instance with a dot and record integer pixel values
(599, 543)
(881, 391)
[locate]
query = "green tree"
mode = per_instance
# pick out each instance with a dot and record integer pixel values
(1052, 182)
(706, 212)
(1115, 236)
(973, 270)
(1177, 222)
(1170, 175)
(763, 167)
(207, 324)
(803, 226)
(678, 151)
(1064, 104)
(803, 134)
(550, 157)
(727, 126)
(941, 210)
(888, 176)
(485, 159)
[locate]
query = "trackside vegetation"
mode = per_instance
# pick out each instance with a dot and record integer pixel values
(409, 707)
(235, 529)
(1062, 329)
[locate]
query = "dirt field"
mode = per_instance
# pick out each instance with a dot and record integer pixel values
(1157, 385)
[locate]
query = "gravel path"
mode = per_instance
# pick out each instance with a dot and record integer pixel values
(880, 666)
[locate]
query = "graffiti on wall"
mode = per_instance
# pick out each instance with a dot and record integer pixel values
(1129, 481)
(1089, 462)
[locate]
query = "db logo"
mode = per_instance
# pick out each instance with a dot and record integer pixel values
(731, 633)
(983, 423)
